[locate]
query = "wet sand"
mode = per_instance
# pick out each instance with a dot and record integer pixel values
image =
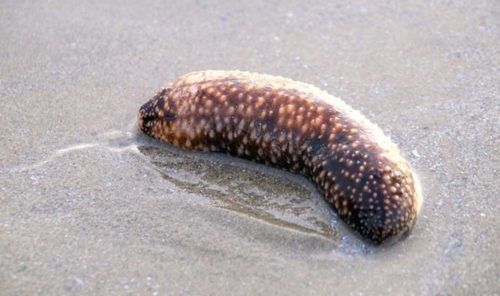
(91, 206)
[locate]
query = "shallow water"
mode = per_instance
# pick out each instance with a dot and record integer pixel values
(90, 205)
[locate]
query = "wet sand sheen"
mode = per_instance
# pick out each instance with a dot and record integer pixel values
(274, 200)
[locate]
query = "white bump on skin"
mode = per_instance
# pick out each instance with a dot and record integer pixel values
(260, 102)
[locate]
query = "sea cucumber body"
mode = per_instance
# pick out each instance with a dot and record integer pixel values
(297, 127)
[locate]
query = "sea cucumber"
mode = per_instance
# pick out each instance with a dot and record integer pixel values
(297, 127)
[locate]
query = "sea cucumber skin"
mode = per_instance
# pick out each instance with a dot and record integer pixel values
(300, 128)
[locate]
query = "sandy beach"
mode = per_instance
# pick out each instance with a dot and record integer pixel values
(90, 205)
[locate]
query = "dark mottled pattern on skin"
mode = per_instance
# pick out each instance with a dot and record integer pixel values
(297, 127)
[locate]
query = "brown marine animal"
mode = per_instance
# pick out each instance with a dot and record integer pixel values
(298, 127)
